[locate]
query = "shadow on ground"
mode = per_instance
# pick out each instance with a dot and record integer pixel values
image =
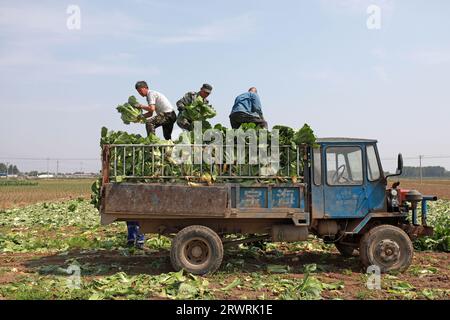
(108, 262)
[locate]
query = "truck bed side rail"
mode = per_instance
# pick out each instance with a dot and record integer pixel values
(158, 162)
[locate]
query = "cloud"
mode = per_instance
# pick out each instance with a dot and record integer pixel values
(359, 8)
(48, 25)
(381, 73)
(223, 30)
(356, 6)
(33, 37)
(379, 53)
(431, 57)
(50, 21)
(330, 77)
(103, 66)
(33, 19)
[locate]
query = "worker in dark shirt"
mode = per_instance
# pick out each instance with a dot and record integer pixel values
(247, 109)
(189, 99)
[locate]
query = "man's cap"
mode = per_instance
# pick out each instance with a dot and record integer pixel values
(141, 84)
(207, 88)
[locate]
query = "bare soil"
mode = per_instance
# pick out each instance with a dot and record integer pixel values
(332, 267)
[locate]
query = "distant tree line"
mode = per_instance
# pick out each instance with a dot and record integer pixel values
(430, 172)
(11, 169)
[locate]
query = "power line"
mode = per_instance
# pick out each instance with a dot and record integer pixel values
(418, 158)
(436, 157)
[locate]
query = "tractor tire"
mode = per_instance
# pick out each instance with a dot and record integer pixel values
(345, 249)
(387, 247)
(196, 249)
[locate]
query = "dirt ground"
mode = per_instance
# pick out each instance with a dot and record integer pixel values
(332, 268)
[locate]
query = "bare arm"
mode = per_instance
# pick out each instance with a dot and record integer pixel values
(151, 108)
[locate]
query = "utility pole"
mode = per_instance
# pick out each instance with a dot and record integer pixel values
(48, 168)
(420, 168)
(7, 170)
(57, 168)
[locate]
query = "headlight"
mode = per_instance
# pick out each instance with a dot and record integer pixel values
(394, 193)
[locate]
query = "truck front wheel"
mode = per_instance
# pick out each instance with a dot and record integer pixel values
(196, 249)
(387, 247)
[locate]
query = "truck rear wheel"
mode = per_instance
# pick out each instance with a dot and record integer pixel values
(387, 247)
(196, 249)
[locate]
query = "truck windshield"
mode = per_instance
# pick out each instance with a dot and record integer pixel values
(344, 166)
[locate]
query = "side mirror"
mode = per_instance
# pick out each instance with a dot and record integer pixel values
(399, 167)
(399, 164)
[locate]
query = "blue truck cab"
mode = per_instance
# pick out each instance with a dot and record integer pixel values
(353, 207)
(347, 180)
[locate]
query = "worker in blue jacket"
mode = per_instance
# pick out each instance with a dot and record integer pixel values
(247, 109)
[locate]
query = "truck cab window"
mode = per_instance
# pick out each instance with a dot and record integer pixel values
(344, 166)
(317, 167)
(372, 164)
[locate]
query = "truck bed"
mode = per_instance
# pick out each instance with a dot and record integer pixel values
(141, 201)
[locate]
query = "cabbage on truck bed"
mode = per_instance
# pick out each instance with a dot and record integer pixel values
(150, 164)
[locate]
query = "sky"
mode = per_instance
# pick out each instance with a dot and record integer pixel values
(314, 62)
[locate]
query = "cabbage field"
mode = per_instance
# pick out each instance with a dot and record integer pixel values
(41, 242)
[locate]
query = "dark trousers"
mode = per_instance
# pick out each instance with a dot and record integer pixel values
(166, 120)
(184, 123)
(239, 118)
(134, 234)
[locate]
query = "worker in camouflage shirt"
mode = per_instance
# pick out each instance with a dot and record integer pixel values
(187, 100)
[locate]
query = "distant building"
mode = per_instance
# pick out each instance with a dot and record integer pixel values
(82, 175)
(45, 176)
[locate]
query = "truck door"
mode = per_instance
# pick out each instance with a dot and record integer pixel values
(344, 189)
(376, 184)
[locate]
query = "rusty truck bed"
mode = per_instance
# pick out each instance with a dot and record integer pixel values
(152, 201)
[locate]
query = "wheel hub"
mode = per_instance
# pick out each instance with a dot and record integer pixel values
(197, 251)
(388, 251)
